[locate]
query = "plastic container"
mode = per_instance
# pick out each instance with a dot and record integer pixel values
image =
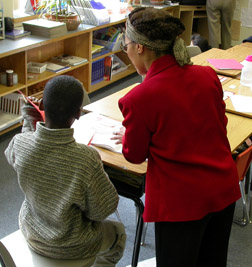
(9, 74)
(246, 74)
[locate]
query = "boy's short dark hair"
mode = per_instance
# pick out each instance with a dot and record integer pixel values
(62, 98)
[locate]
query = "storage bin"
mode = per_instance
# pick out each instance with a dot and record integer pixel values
(10, 110)
(97, 71)
(36, 67)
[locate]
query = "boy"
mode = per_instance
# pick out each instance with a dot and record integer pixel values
(68, 195)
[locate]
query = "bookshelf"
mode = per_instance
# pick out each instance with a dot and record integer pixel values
(16, 54)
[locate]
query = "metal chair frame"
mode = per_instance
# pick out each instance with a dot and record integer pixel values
(243, 162)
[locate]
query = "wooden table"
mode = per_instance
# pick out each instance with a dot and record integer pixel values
(238, 52)
(235, 86)
(224, 79)
(248, 44)
(239, 128)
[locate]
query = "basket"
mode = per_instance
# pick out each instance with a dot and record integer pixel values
(10, 110)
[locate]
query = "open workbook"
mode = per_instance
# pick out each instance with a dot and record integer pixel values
(97, 130)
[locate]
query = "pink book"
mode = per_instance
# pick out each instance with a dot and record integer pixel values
(225, 64)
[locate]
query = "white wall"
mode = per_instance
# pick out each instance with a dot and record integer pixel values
(245, 31)
(8, 8)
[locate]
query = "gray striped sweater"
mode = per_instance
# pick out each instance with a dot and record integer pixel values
(67, 193)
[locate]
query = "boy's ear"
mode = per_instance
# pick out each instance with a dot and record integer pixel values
(77, 114)
(41, 105)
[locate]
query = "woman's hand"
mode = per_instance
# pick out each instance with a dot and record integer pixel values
(118, 135)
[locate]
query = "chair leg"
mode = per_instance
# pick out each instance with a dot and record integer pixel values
(144, 234)
(245, 218)
(249, 194)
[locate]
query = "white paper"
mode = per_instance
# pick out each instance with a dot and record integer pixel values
(227, 94)
(242, 103)
(98, 130)
(232, 86)
(83, 133)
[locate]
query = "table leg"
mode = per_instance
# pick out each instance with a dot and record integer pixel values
(139, 230)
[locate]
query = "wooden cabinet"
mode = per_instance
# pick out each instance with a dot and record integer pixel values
(195, 20)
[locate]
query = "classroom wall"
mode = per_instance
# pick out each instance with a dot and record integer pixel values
(242, 21)
(8, 8)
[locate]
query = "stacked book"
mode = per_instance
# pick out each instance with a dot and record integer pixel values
(45, 28)
(16, 34)
(68, 59)
(50, 66)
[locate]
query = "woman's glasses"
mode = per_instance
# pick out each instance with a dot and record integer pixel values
(123, 46)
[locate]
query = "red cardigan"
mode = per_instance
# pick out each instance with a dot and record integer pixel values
(176, 119)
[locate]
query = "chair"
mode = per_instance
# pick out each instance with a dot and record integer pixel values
(193, 50)
(243, 161)
(5, 257)
(15, 252)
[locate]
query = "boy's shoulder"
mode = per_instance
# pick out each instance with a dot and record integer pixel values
(88, 151)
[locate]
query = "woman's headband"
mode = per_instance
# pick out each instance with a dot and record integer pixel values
(179, 49)
(137, 37)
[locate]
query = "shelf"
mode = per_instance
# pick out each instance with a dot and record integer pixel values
(115, 78)
(40, 77)
(4, 90)
(199, 14)
(105, 55)
(7, 120)
(14, 126)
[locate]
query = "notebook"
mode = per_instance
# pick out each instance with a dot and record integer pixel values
(225, 64)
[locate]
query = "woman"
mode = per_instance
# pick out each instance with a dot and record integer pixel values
(219, 15)
(176, 119)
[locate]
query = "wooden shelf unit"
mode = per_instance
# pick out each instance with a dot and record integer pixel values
(17, 54)
(195, 20)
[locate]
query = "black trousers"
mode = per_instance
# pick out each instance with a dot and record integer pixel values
(201, 243)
